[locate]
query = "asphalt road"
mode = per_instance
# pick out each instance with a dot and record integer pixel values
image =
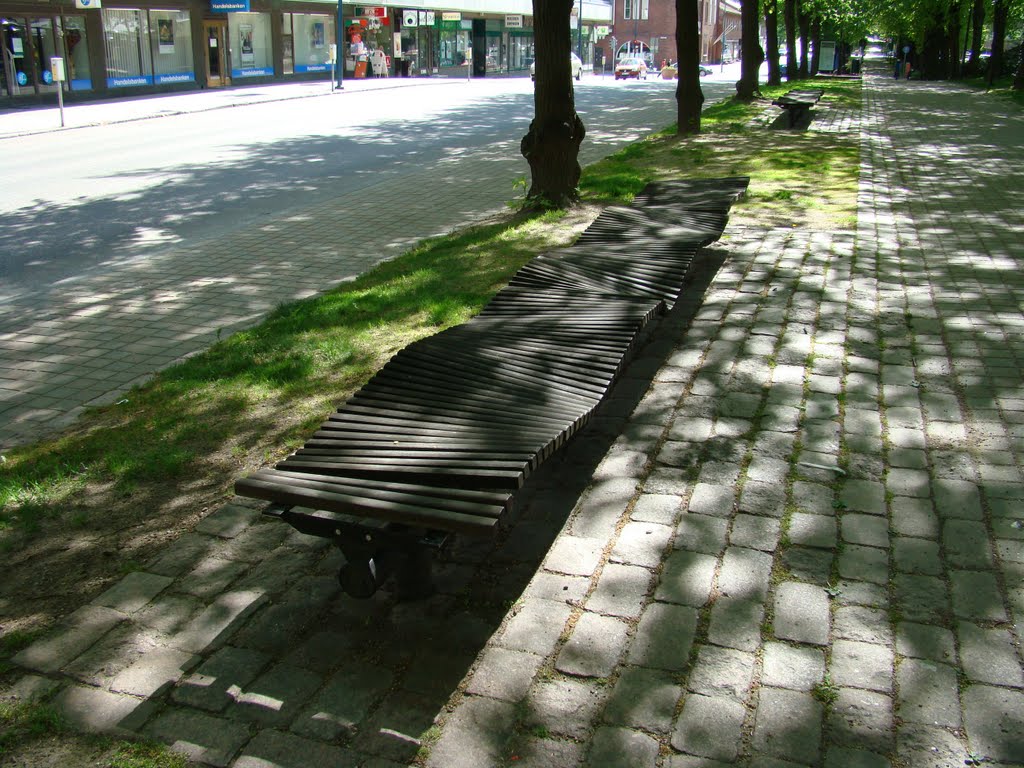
(77, 200)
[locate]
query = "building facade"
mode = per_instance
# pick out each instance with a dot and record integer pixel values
(647, 28)
(107, 47)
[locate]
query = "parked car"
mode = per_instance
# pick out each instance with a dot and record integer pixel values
(575, 66)
(671, 71)
(705, 71)
(631, 68)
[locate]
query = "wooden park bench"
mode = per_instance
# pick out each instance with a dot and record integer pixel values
(439, 441)
(797, 103)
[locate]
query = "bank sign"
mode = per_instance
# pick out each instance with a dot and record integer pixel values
(227, 6)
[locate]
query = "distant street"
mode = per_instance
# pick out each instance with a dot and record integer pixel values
(121, 231)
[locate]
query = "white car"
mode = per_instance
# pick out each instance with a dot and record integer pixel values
(575, 65)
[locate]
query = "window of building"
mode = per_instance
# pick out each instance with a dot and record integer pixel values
(251, 52)
(144, 47)
(635, 9)
(172, 59)
(311, 38)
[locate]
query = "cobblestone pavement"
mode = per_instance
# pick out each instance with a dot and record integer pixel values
(795, 537)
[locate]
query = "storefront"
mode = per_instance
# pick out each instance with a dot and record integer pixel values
(159, 45)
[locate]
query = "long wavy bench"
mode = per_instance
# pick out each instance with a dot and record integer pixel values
(441, 438)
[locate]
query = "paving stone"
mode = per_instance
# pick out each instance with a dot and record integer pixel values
(252, 544)
(601, 507)
(957, 499)
(928, 693)
(994, 720)
(976, 596)
(80, 631)
(755, 532)
(621, 591)
(714, 500)
(758, 498)
(661, 509)
(921, 599)
(275, 628)
(133, 591)
(545, 753)
(220, 679)
(861, 623)
(701, 533)
(155, 672)
(557, 586)
(863, 719)
(863, 496)
(228, 521)
(794, 667)
(862, 665)
(859, 563)
(812, 530)
(664, 637)
(183, 554)
(120, 648)
(168, 613)
(908, 482)
(504, 674)
(274, 698)
(594, 647)
(868, 530)
(842, 757)
(574, 555)
(642, 544)
(31, 688)
(214, 625)
(536, 627)
(622, 746)
(745, 573)
(709, 727)
(686, 578)
(96, 711)
(989, 655)
(813, 498)
(925, 641)
(801, 613)
(722, 672)
(643, 698)
(917, 555)
(278, 570)
(967, 544)
(284, 750)
(343, 702)
(203, 738)
(396, 728)
(211, 576)
(922, 746)
(806, 564)
(565, 707)
(788, 724)
(736, 623)
(848, 592)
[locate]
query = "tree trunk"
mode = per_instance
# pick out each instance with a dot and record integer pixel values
(953, 29)
(750, 50)
(995, 63)
(689, 96)
(1018, 78)
(816, 39)
(771, 27)
(792, 66)
(978, 20)
(804, 19)
(552, 146)
(929, 56)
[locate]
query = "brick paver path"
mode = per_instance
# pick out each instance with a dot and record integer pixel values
(801, 545)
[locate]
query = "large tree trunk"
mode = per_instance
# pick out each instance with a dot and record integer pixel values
(750, 50)
(953, 30)
(929, 56)
(552, 146)
(804, 20)
(771, 29)
(995, 64)
(1018, 78)
(792, 65)
(689, 96)
(978, 20)
(816, 40)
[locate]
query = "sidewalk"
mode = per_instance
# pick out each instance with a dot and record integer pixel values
(796, 538)
(23, 121)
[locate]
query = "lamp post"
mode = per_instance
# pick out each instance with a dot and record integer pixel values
(341, 48)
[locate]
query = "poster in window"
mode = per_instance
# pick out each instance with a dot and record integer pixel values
(248, 54)
(165, 33)
(318, 34)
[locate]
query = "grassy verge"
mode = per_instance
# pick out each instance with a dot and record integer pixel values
(257, 394)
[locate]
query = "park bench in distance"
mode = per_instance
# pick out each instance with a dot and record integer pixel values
(797, 103)
(439, 441)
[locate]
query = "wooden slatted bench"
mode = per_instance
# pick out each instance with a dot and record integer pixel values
(440, 439)
(797, 103)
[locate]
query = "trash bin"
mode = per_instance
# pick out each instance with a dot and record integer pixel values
(403, 67)
(855, 65)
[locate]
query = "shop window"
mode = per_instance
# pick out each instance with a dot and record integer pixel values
(76, 62)
(172, 41)
(312, 35)
(128, 55)
(250, 47)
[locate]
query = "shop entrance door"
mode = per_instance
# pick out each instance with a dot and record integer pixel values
(216, 53)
